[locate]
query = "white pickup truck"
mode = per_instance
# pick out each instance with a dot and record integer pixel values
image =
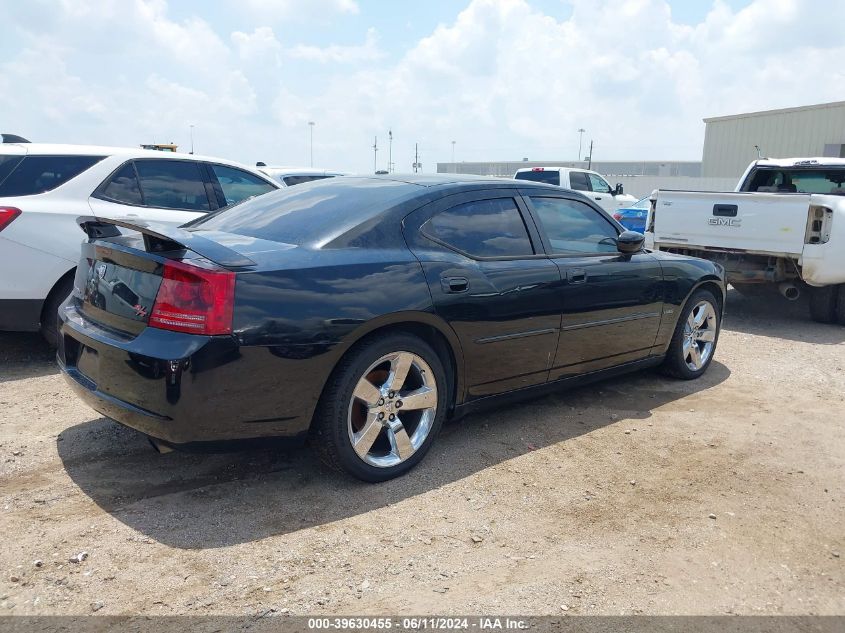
(784, 227)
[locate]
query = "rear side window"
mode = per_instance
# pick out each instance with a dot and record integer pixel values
(578, 181)
(573, 227)
(541, 175)
(38, 174)
(238, 185)
(486, 228)
(122, 186)
(298, 180)
(172, 184)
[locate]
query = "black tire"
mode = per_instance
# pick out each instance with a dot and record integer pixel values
(823, 303)
(675, 363)
(50, 311)
(330, 431)
(840, 305)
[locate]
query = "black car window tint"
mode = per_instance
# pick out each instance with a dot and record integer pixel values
(122, 186)
(574, 227)
(485, 228)
(172, 184)
(38, 174)
(551, 176)
(578, 181)
(298, 180)
(238, 184)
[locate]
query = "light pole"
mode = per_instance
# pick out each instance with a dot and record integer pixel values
(390, 151)
(311, 137)
(192, 137)
(375, 154)
(580, 136)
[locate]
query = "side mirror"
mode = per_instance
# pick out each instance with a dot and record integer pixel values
(630, 242)
(619, 189)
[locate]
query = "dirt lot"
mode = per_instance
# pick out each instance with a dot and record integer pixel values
(641, 495)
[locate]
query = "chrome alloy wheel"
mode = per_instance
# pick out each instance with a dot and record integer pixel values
(699, 335)
(392, 409)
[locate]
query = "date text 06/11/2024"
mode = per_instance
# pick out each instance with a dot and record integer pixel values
(417, 623)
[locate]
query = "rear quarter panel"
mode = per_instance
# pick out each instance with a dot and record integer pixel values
(295, 323)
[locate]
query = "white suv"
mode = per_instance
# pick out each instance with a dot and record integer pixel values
(43, 188)
(289, 176)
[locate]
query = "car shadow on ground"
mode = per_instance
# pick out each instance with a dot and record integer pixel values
(772, 315)
(215, 500)
(25, 355)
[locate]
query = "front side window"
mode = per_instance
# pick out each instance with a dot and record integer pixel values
(598, 184)
(485, 228)
(574, 228)
(39, 174)
(122, 186)
(578, 181)
(238, 185)
(172, 184)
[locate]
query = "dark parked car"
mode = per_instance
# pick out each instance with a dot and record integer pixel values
(365, 311)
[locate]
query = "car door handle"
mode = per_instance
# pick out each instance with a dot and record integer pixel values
(576, 275)
(597, 198)
(454, 284)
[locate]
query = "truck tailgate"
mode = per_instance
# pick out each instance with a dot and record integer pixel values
(755, 222)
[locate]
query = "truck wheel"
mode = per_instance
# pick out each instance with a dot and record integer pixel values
(823, 303)
(694, 341)
(840, 305)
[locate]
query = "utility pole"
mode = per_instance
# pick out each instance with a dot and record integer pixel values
(417, 164)
(580, 136)
(590, 158)
(390, 151)
(453, 154)
(311, 130)
(192, 137)
(375, 155)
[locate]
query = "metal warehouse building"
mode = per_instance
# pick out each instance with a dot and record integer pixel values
(815, 130)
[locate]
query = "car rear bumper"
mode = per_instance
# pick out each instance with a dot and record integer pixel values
(181, 388)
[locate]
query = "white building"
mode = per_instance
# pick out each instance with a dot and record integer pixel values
(815, 130)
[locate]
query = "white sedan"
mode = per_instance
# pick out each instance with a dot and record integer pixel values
(43, 188)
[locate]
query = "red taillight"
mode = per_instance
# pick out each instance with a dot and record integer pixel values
(538, 169)
(7, 214)
(617, 216)
(194, 300)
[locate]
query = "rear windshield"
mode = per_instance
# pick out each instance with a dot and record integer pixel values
(551, 177)
(308, 212)
(37, 174)
(298, 180)
(797, 180)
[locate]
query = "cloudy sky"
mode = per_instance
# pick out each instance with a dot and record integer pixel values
(504, 79)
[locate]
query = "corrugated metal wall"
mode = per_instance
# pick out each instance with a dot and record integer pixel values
(729, 141)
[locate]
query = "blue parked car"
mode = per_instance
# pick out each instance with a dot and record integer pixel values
(633, 218)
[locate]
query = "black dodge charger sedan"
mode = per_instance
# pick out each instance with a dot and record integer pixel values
(362, 312)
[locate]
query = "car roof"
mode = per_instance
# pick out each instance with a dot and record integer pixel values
(54, 149)
(817, 161)
(523, 169)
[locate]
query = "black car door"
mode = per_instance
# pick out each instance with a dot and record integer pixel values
(491, 281)
(611, 302)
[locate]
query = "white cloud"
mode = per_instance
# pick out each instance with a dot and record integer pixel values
(501, 78)
(368, 51)
(298, 9)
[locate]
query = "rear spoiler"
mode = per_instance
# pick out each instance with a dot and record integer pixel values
(161, 238)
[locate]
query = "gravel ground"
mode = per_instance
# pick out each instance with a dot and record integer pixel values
(638, 495)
